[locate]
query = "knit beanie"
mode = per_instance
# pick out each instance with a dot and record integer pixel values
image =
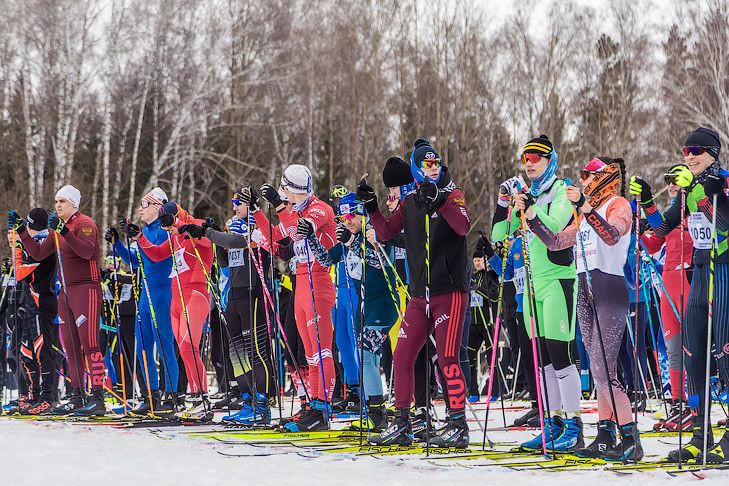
(707, 138)
(396, 173)
(38, 219)
(422, 151)
(297, 179)
(71, 194)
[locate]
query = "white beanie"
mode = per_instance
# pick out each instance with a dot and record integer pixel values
(297, 179)
(156, 196)
(70, 193)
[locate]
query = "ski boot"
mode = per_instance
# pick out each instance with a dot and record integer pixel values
(420, 424)
(552, 429)
(143, 409)
(350, 404)
(40, 408)
(231, 400)
(529, 419)
(719, 454)
(629, 449)
(94, 406)
(376, 418)
(24, 403)
(305, 407)
(605, 440)
(571, 437)
(75, 402)
(200, 411)
(454, 434)
(677, 422)
(313, 420)
(473, 398)
(399, 432)
(11, 407)
(169, 406)
(248, 415)
(693, 450)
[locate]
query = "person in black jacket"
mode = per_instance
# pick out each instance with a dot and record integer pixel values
(435, 220)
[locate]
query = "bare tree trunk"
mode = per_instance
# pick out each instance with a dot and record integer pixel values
(106, 155)
(135, 151)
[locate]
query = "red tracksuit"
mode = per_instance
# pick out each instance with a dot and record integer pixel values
(80, 299)
(322, 216)
(194, 297)
(672, 277)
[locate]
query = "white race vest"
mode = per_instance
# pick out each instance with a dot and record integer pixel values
(700, 229)
(600, 255)
(354, 265)
(519, 279)
(180, 262)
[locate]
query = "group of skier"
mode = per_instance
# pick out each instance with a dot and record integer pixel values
(571, 267)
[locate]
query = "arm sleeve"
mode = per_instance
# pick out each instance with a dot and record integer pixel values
(24, 269)
(83, 240)
(653, 243)
(663, 224)
(226, 240)
(618, 222)
(38, 251)
(554, 241)
(387, 228)
(560, 212)
(501, 227)
(156, 253)
(455, 212)
(123, 253)
(263, 224)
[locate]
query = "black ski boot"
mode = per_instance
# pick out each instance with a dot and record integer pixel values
(75, 402)
(629, 449)
(605, 441)
(231, 399)
(169, 406)
(376, 415)
(313, 420)
(143, 408)
(419, 424)
(719, 454)
(94, 406)
(528, 419)
(454, 434)
(694, 449)
(398, 432)
(350, 403)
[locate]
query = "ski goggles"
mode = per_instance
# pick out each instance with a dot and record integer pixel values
(237, 199)
(145, 204)
(530, 157)
(670, 178)
(585, 174)
(429, 163)
(693, 150)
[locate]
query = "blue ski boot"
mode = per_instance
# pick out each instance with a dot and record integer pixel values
(313, 420)
(571, 437)
(246, 410)
(260, 415)
(552, 428)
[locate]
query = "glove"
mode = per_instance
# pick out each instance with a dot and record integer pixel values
(644, 226)
(304, 228)
(270, 194)
(639, 187)
(7, 266)
(528, 200)
(344, 235)
(367, 195)
(56, 224)
(509, 186)
(128, 228)
(166, 220)
(210, 223)
(713, 185)
(15, 221)
(684, 177)
(192, 229)
(430, 193)
(249, 197)
(487, 248)
(111, 235)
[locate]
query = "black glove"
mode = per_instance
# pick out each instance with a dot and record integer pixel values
(56, 224)
(111, 235)
(249, 197)
(192, 229)
(270, 194)
(713, 185)
(487, 248)
(7, 266)
(128, 228)
(528, 200)
(644, 226)
(499, 248)
(15, 221)
(367, 195)
(210, 223)
(166, 220)
(580, 201)
(430, 193)
(344, 235)
(304, 228)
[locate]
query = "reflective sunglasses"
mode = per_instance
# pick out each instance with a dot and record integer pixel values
(693, 150)
(670, 179)
(585, 174)
(530, 157)
(429, 163)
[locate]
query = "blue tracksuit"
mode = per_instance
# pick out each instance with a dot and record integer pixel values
(343, 317)
(157, 284)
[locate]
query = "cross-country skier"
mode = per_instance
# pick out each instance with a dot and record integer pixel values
(435, 220)
(553, 273)
(700, 179)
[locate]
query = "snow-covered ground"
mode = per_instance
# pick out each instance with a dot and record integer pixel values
(63, 453)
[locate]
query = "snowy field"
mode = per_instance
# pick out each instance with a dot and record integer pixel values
(65, 453)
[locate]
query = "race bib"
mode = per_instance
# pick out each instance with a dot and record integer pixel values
(180, 263)
(399, 253)
(300, 253)
(126, 292)
(476, 299)
(700, 229)
(236, 258)
(519, 279)
(354, 265)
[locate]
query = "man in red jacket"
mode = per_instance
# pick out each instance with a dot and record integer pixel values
(76, 243)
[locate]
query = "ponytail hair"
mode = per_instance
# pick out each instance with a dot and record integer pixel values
(621, 163)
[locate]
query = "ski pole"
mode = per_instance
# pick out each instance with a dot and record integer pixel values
(682, 311)
(274, 311)
(250, 312)
(427, 325)
(362, 394)
(709, 326)
(637, 300)
(593, 308)
(115, 315)
(497, 325)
